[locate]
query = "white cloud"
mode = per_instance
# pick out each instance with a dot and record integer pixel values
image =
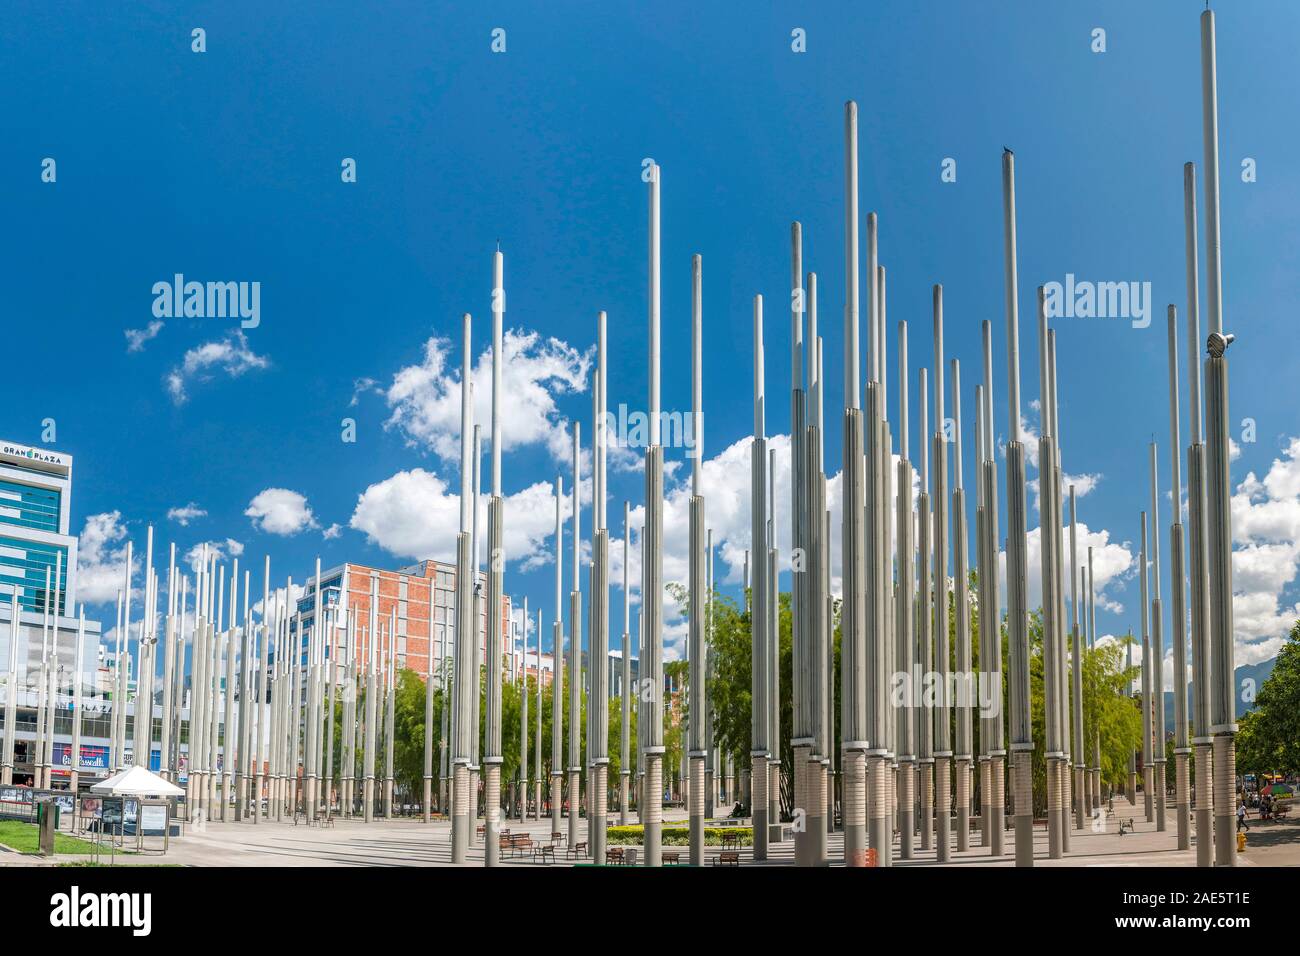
(185, 514)
(425, 399)
(230, 355)
(332, 532)
(280, 511)
(135, 338)
(414, 514)
(1266, 556)
(220, 550)
(1112, 563)
(101, 558)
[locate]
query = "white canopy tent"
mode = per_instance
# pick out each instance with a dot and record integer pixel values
(137, 782)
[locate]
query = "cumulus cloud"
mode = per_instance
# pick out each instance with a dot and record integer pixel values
(229, 356)
(101, 558)
(220, 550)
(185, 514)
(280, 511)
(1266, 556)
(425, 399)
(415, 514)
(135, 338)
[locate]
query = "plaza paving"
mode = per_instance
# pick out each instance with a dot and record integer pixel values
(409, 842)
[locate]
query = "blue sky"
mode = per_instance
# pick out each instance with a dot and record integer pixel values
(225, 166)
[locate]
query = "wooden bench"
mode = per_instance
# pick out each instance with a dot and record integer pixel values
(671, 858)
(480, 830)
(727, 858)
(544, 850)
(516, 843)
(614, 856)
(1125, 826)
(557, 838)
(575, 851)
(730, 840)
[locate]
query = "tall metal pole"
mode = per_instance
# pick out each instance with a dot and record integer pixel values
(1050, 540)
(625, 739)
(557, 669)
(493, 757)
(905, 630)
(466, 627)
(598, 631)
(1022, 742)
(650, 710)
(575, 649)
(1218, 492)
(963, 701)
(924, 653)
(697, 572)
(853, 690)
(1197, 543)
(1158, 652)
(942, 646)
(760, 723)
(1076, 676)
(1148, 769)
(1177, 574)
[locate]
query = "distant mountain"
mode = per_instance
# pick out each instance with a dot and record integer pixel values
(1258, 673)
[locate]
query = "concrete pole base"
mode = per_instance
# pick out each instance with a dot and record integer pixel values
(597, 795)
(1023, 784)
(1204, 813)
(368, 799)
(460, 817)
(556, 784)
(927, 806)
(654, 825)
(942, 810)
(625, 799)
(855, 808)
(1161, 817)
(428, 798)
(758, 805)
(906, 811)
(997, 804)
(802, 837)
(696, 810)
(963, 806)
(492, 827)
(1148, 793)
(1182, 823)
(575, 802)
(1225, 800)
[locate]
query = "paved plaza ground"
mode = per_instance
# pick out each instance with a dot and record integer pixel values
(409, 842)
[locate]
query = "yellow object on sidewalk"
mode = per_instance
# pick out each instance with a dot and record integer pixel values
(1241, 842)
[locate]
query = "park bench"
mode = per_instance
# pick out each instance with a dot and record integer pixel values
(575, 851)
(671, 858)
(614, 856)
(480, 830)
(544, 850)
(1125, 826)
(730, 840)
(727, 858)
(516, 843)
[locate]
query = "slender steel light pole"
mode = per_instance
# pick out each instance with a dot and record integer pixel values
(803, 668)
(625, 728)
(1197, 545)
(390, 693)
(1218, 491)
(537, 742)
(493, 756)
(598, 661)
(557, 669)
(905, 610)
(1148, 769)
(1177, 574)
(1022, 742)
(466, 682)
(942, 646)
(74, 752)
(1050, 540)
(523, 719)
(820, 614)
(228, 755)
(991, 621)
(1062, 652)
(759, 617)
(698, 576)
(650, 711)
(965, 745)
(853, 627)
(575, 649)
(1096, 731)
(924, 654)
(1076, 677)
(1158, 653)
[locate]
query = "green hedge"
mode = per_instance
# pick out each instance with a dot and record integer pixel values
(676, 836)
